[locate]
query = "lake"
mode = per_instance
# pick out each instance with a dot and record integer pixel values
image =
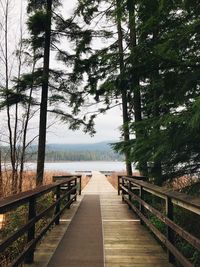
(81, 166)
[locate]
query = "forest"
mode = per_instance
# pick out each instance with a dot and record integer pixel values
(140, 55)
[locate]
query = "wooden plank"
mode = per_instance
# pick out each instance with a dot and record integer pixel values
(127, 242)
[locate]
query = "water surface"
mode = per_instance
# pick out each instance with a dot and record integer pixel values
(81, 166)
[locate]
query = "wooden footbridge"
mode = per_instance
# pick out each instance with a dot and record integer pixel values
(97, 228)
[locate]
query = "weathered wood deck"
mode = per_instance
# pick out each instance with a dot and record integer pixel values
(126, 241)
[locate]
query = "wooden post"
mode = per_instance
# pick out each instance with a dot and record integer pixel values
(69, 196)
(31, 232)
(58, 204)
(129, 195)
(80, 185)
(170, 233)
(123, 184)
(118, 178)
(75, 189)
(140, 204)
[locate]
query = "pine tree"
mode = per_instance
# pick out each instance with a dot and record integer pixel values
(168, 42)
(105, 67)
(40, 24)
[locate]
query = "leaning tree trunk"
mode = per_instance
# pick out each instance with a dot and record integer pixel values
(123, 89)
(44, 99)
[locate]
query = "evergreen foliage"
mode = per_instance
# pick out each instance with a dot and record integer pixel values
(168, 41)
(161, 78)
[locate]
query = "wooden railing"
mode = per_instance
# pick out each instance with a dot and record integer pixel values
(62, 200)
(133, 191)
(60, 178)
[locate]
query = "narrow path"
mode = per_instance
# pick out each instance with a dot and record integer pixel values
(98, 185)
(126, 242)
(104, 232)
(82, 244)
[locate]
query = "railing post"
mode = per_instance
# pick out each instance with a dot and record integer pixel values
(118, 178)
(170, 233)
(31, 232)
(58, 204)
(123, 184)
(140, 204)
(75, 189)
(69, 196)
(80, 185)
(129, 195)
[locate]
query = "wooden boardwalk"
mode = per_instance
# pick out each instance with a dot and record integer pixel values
(126, 242)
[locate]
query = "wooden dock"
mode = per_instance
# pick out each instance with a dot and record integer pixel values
(100, 227)
(125, 241)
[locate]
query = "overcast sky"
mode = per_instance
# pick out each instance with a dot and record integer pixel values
(107, 125)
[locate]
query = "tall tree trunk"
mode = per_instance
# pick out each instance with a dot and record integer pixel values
(44, 99)
(123, 89)
(26, 119)
(10, 133)
(157, 166)
(135, 80)
(22, 159)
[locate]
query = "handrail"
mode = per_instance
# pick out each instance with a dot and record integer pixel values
(128, 184)
(31, 196)
(58, 178)
(180, 199)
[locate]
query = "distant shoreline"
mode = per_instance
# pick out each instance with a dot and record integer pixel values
(63, 161)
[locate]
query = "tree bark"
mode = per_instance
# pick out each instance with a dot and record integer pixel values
(25, 129)
(10, 132)
(44, 99)
(123, 89)
(135, 80)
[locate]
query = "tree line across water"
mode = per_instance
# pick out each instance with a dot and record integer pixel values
(140, 55)
(54, 156)
(83, 156)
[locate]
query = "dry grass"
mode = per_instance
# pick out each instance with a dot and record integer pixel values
(29, 180)
(181, 182)
(176, 184)
(113, 178)
(85, 181)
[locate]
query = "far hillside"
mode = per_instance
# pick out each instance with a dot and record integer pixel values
(72, 152)
(101, 146)
(82, 152)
